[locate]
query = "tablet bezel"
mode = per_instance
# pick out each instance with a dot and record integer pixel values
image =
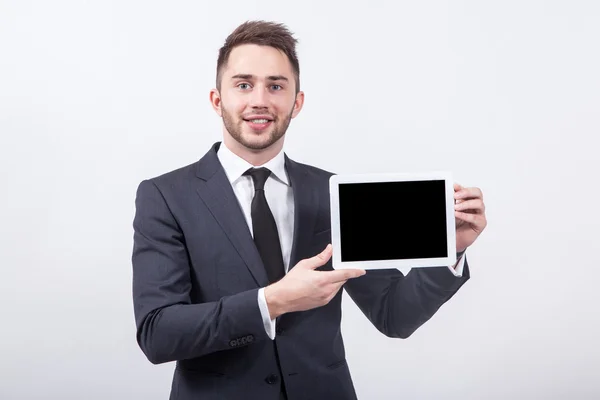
(336, 180)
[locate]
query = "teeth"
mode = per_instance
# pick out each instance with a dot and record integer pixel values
(260, 121)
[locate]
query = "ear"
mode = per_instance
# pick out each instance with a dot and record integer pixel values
(298, 104)
(215, 101)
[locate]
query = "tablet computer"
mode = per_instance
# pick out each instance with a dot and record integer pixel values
(394, 220)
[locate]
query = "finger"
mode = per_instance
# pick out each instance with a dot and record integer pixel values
(468, 193)
(475, 205)
(477, 220)
(457, 187)
(318, 260)
(342, 275)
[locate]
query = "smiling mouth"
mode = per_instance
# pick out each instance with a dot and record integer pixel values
(258, 119)
(260, 124)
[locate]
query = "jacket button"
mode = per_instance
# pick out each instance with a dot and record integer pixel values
(271, 379)
(278, 330)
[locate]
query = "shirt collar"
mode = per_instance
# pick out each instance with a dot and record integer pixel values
(235, 166)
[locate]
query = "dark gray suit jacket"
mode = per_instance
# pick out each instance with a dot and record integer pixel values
(196, 276)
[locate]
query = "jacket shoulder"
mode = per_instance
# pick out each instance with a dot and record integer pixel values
(171, 180)
(175, 175)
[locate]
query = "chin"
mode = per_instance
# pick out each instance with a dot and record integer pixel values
(256, 142)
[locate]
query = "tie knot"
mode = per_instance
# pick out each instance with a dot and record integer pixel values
(259, 176)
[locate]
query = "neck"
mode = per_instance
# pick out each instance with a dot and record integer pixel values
(254, 157)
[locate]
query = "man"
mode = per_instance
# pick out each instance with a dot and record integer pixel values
(232, 276)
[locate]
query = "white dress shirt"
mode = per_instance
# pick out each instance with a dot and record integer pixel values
(280, 197)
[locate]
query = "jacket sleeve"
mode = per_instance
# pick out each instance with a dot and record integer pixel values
(169, 326)
(398, 305)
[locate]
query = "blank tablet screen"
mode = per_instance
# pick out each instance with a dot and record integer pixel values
(392, 220)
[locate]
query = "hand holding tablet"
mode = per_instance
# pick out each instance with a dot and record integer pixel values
(393, 220)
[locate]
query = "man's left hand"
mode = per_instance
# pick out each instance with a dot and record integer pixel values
(470, 215)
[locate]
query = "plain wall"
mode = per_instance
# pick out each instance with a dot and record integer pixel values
(96, 96)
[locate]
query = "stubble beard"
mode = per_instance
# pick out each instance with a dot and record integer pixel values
(235, 129)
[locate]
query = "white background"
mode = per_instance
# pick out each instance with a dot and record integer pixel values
(96, 96)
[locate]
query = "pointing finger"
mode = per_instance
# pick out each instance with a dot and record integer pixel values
(341, 275)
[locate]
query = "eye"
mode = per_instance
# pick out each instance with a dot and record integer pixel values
(276, 87)
(244, 86)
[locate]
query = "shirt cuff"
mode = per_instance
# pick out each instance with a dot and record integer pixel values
(268, 323)
(460, 265)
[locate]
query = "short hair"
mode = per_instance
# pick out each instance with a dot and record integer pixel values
(263, 33)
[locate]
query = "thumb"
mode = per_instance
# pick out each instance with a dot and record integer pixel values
(320, 259)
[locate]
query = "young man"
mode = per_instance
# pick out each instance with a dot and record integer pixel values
(231, 262)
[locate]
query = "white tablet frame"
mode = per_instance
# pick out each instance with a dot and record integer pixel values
(334, 183)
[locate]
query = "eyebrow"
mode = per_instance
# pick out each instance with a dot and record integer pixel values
(269, 78)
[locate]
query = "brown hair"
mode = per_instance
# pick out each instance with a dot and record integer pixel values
(262, 33)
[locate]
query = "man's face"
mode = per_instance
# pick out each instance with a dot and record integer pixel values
(258, 96)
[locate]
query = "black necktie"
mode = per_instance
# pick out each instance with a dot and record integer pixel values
(264, 227)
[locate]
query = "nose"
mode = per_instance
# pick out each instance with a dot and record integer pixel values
(259, 97)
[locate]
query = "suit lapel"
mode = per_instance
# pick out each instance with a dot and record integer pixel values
(216, 192)
(306, 206)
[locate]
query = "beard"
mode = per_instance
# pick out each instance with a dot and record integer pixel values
(235, 129)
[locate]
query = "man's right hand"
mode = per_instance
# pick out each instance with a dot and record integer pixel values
(303, 288)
